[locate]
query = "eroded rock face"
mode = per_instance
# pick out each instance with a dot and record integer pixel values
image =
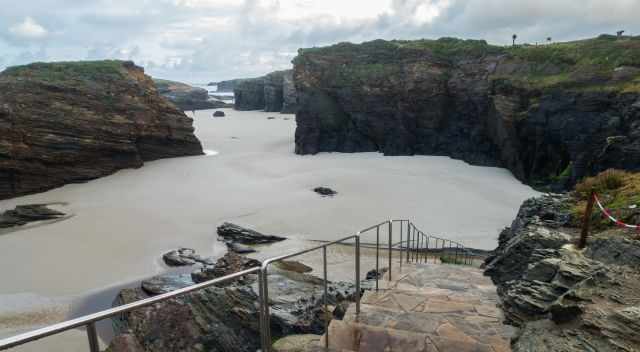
(186, 97)
(24, 214)
(426, 97)
(224, 318)
(234, 233)
(563, 299)
(274, 92)
(72, 122)
(249, 94)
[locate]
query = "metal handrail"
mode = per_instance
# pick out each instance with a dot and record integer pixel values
(90, 320)
(414, 251)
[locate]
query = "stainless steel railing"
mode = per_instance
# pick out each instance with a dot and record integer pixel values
(415, 247)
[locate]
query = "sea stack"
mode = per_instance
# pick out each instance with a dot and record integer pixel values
(75, 121)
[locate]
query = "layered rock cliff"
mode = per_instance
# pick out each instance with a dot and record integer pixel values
(561, 298)
(187, 97)
(274, 92)
(72, 122)
(551, 114)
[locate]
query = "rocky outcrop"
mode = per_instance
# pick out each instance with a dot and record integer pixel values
(548, 115)
(563, 299)
(233, 233)
(185, 257)
(223, 318)
(249, 94)
(72, 122)
(186, 97)
(274, 92)
(289, 94)
(24, 214)
(227, 86)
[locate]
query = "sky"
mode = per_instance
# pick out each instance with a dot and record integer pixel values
(199, 41)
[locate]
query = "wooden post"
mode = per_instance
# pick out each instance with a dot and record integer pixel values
(586, 222)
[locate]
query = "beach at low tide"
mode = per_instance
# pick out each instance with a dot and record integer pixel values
(123, 223)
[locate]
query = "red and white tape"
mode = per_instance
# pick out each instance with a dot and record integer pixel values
(616, 221)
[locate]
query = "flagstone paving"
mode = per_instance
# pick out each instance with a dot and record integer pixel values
(427, 307)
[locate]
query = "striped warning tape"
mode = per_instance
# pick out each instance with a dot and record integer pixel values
(608, 215)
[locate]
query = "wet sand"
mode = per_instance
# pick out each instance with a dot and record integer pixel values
(123, 223)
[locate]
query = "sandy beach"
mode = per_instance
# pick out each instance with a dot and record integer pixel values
(123, 223)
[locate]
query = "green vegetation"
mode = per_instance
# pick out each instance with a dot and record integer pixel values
(61, 73)
(616, 189)
(590, 64)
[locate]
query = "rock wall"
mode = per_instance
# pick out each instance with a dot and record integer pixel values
(274, 92)
(72, 122)
(249, 94)
(186, 97)
(546, 113)
(227, 86)
(563, 299)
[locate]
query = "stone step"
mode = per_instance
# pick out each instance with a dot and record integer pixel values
(356, 337)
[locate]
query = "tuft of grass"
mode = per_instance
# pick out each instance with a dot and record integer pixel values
(617, 190)
(603, 183)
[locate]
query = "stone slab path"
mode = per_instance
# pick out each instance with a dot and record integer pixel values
(426, 307)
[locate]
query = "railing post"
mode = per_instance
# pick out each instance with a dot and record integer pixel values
(401, 222)
(263, 327)
(377, 256)
(358, 274)
(326, 304)
(390, 246)
(92, 334)
(427, 255)
(407, 250)
(267, 318)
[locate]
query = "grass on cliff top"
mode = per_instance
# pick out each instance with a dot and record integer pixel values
(584, 64)
(68, 72)
(617, 190)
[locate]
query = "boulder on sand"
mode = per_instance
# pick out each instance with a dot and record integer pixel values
(239, 248)
(219, 114)
(325, 191)
(24, 214)
(185, 257)
(234, 233)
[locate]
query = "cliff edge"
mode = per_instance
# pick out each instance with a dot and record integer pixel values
(75, 121)
(551, 114)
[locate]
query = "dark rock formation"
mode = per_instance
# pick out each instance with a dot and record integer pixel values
(249, 94)
(274, 92)
(72, 122)
(185, 257)
(375, 274)
(24, 214)
(224, 318)
(548, 115)
(563, 299)
(229, 264)
(239, 248)
(289, 94)
(325, 191)
(219, 114)
(227, 86)
(186, 97)
(234, 233)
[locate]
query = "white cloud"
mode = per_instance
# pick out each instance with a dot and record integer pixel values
(207, 40)
(29, 29)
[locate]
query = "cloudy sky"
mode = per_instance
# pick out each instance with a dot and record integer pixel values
(204, 40)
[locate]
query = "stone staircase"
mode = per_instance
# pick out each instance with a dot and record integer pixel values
(427, 307)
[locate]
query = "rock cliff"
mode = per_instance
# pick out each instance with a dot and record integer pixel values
(72, 122)
(274, 92)
(186, 97)
(561, 298)
(551, 114)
